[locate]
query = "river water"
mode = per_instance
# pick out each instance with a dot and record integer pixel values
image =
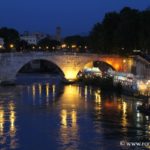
(40, 113)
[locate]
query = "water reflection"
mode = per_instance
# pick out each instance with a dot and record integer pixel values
(86, 92)
(33, 94)
(12, 119)
(124, 116)
(40, 90)
(69, 136)
(82, 117)
(2, 120)
(8, 138)
(53, 91)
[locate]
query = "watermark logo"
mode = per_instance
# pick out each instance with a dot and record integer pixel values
(125, 143)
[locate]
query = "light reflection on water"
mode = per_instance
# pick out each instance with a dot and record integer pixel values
(8, 126)
(53, 116)
(69, 130)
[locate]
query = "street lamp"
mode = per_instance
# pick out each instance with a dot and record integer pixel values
(124, 64)
(11, 46)
(47, 47)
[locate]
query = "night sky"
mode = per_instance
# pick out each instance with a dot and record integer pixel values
(74, 16)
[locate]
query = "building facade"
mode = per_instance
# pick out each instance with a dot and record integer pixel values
(33, 38)
(29, 39)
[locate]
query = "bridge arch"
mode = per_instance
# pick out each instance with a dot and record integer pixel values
(103, 66)
(49, 62)
(69, 63)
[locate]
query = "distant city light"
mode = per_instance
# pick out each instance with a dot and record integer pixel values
(33, 47)
(63, 46)
(124, 61)
(11, 45)
(74, 46)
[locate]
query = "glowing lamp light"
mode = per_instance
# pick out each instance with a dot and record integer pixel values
(63, 46)
(74, 46)
(11, 45)
(33, 47)
(71, 75)
(1, 46)
(124, 61)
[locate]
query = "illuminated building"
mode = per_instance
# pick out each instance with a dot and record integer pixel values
(30, 39)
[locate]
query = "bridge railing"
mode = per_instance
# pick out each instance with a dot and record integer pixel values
(41, 53)
(29, 54)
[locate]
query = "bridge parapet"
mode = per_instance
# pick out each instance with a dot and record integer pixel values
(69, 63)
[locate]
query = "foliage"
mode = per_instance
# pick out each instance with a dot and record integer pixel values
(121, 33)
(47, 43)
(10, 36)
(79, 41)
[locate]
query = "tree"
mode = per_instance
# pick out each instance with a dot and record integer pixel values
(48, 44)
(80, 42)
(10, 36)
(23, 45)
(144, 34)
(126, 35)
(118, 33)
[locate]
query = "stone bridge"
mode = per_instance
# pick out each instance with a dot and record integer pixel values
(69, 63)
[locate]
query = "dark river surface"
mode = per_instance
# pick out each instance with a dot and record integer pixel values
(40, 113)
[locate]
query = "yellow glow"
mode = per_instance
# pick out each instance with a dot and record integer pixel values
(71, 96)
(67, 133)
(116, 66)
(124, 107)
(71, 74)
(53, 91)
(47, 90)
(73, 46)
(124, 118)
(63, 45)
(64, 117)
(40, 89)
(54, 88)
(11, 45)
(98, 97)
(47, 47)
(97, 100)
(33, 91)
(74, 117)
(85, 92)
(33, 47)
(2, 120)
(124, 61)
(1, 46)
(12, 119)
(88, 65)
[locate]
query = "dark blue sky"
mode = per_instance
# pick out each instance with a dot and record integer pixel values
(74, 16)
